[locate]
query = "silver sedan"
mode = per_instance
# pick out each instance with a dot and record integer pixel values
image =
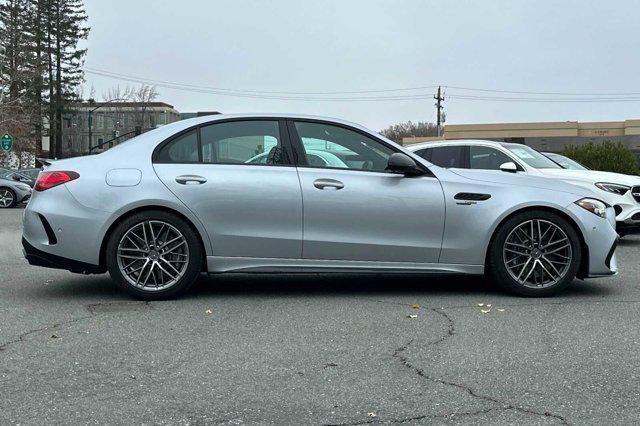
(183, 199)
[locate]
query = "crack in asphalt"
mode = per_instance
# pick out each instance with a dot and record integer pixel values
(91, 309)
(448, 415)
(451, 331)
(21, 337)
(505, 405)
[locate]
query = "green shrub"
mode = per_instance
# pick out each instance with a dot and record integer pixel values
(606, 157)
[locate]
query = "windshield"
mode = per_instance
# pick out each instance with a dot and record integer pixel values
(533, 157)
(566, 163)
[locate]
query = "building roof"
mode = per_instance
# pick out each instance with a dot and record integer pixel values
(555, 129)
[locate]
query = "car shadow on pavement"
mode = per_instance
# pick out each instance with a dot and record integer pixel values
(354, 284)
(304, 284)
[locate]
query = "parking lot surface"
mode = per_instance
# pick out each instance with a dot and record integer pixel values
(315, 349)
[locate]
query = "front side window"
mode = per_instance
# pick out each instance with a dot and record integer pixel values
(486, 158)
(332, 146)
(182, 149)
(448, 156)
(243, 142)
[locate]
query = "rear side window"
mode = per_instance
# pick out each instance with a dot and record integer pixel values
(486, 158)
(448, 156)
(251, 142)
(243, 142)
(182, 149)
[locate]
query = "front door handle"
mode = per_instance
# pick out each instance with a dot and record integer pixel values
(328, 183)
(190, 180)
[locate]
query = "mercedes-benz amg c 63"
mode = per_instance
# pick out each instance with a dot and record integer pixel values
(284, 193)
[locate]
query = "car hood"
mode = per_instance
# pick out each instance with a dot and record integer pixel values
(521, 179)
(591, 176)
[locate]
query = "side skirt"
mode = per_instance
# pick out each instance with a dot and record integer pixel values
(259, 264)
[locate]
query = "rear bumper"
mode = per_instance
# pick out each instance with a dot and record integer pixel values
(40, 258)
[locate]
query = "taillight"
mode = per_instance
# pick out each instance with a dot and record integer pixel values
(48, 180)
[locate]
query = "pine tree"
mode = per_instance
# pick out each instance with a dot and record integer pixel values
(65, 26)
(16, 74)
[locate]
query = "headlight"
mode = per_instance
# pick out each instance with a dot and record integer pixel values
(613, 187)
(596, 207)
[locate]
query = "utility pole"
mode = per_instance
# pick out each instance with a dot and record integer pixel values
(439, 98)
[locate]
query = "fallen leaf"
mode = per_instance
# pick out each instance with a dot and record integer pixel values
(208, 312)
(485, 311)
(330, 364)
(480, 304)
(54, 336)
(500, 310)
(412, 316)
(372, 414)
(415, 306)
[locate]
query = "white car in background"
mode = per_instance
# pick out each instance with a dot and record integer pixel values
(618, 190)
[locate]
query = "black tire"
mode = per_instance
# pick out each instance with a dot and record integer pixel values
(13, 194)
(194, 263)
(497, 271)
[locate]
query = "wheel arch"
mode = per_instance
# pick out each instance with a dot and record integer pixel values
(584, 259)
(129, 213)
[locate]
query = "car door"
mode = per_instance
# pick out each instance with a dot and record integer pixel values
(356, 210)
(250, 208)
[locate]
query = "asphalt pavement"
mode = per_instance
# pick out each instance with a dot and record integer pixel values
(315, 349)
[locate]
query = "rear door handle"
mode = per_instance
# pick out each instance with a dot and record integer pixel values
(328, 183)
(190, 180)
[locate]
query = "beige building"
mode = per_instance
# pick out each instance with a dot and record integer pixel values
(546, 136)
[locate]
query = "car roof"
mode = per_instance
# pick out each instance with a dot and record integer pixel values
(219, 117)
(455, 142)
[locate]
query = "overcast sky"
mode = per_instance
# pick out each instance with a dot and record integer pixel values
(329, 46)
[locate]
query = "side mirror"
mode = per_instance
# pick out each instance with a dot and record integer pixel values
(402, 163)
(509, 167)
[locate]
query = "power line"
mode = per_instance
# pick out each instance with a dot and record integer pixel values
(403, 89)
(325, 96)
(544, 93)
(543, 100)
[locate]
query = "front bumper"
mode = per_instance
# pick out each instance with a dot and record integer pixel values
(601, 239)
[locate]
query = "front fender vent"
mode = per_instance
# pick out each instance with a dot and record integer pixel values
(471, 196)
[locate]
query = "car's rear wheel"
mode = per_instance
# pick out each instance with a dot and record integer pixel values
(7, 198)
(154, 255)
(534, 253)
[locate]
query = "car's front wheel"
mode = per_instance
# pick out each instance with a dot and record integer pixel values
(534, 253)
(7, 198)
(154, 255)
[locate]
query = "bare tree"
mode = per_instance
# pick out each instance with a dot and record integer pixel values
(408, 129)
(138, 100)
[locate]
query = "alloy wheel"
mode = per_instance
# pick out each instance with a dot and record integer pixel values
(537, 253)
(6, 198)
(153, 255)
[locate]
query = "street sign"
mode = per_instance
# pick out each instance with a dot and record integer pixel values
(6, 142)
